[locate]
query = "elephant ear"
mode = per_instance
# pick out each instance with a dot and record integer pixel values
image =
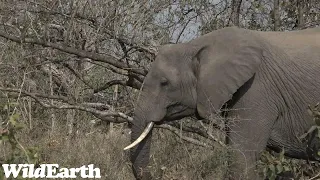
(221, 72)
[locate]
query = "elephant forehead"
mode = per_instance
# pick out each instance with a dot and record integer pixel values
(173, 50)
(166, 47)
(165, 67)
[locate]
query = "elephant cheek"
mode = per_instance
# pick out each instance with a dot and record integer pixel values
(140, 154)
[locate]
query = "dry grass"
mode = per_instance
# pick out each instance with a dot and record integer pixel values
(176, 159)
(171, 158)
(102, 150)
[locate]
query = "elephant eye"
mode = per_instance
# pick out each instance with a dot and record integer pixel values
(164, 82)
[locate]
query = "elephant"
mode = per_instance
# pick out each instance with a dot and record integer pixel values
(269, 77)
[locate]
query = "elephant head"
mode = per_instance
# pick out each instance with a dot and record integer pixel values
(187, 79)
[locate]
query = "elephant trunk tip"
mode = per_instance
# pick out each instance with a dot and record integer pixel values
(141, 137)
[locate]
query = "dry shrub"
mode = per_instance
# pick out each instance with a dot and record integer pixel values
(173, 158)
(170, 158)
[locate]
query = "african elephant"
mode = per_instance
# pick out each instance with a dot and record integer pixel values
(270, 77)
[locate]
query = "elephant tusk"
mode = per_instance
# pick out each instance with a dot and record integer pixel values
(141, 137)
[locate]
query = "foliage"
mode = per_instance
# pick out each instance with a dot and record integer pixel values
(315, 113)
(18, 154)
(312, 136)
(273, 165)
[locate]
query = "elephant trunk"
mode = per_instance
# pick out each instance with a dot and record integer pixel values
(140, 153)
(149, 109)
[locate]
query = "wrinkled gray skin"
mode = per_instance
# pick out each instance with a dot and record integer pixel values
(271, 76)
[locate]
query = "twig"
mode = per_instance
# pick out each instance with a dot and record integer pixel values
(315, 177)
(61, 98)
(188, 139)
(200, 132)
(212, 137)
(87, 107)
(81, 53)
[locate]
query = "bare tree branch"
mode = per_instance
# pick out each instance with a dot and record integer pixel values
(187, 139)
(66, 104)
(46, 96)
(77, 74)
(109, 84)
(81, 53)
(201, 131)
(95, 23)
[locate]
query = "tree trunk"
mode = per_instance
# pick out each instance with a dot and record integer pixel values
(114, 98)
(276, 15)
(70, 122)
(52, 115)
(301, 11)
(236, 8)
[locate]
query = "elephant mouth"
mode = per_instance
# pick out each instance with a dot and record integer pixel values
(177, 111)
(174, 112)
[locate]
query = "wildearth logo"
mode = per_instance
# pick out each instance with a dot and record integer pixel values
(49, 171)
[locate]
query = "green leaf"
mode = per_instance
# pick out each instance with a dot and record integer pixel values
(12, 121)
(271, 173)
(265, 171)
(4, 138)
(286, 168)
(19, 126)
(294, 169)
(269, 157)
(281, 155)
(14, 104)
(272, 168)
(279, 168)
(15, 116)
